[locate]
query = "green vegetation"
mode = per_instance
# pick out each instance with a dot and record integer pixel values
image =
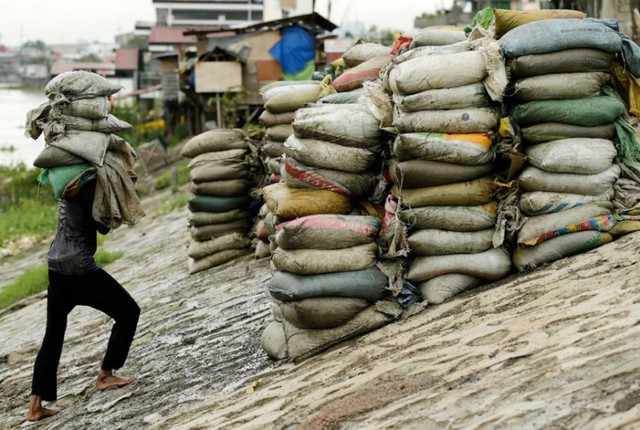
(173, 178)
(36, 279)
(26, 208)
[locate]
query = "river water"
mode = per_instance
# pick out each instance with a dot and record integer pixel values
(15, 148)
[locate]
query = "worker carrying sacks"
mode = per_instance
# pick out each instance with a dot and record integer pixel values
(80, 142)
(221, 182)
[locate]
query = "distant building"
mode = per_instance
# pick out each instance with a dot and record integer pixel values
(208, 13)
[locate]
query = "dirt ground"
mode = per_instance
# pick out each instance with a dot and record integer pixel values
(556, 348)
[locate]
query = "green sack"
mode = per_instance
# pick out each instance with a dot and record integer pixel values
(61, 177)
(587, 112)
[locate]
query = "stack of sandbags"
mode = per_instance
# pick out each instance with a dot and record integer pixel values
(326, 286)
(567, 115)
(443, 167)
(77, 125)
(281, 100)
(324, 254)
(219, 213)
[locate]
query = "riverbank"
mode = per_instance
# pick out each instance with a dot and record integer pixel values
(556, 348)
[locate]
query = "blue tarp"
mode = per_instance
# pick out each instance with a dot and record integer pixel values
(294, 50)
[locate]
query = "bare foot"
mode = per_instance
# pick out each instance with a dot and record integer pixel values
(106, 379)
(37, 411)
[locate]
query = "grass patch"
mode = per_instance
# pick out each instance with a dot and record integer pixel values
(177, 203)
(33, 218)
(36, 279)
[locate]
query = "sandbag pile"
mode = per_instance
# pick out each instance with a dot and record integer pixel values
(442, 168)
(219, 213)
(326, 284)
(325, 287)
(281, 100)
(562, 100)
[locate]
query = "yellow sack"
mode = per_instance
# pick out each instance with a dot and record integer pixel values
(506, 20)
(289, 203)
(470, 193)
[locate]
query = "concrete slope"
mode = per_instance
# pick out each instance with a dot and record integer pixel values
(557, 348)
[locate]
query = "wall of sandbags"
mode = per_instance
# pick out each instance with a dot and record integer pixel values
(442, 166)
(572, 121)
(482, 169)
(326, 286)
(220, 214)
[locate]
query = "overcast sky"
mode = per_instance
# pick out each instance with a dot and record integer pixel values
(68, 21)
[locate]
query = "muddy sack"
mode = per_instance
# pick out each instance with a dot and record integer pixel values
(289, 203)
(214, 140)
(567, 61)
(441, 288)
(108, 124)
(531, 257)
(411, 173)
(200, 218)
(207, 157)
(437, 37)
(347, 125)
(216, 204)
(354, 185)
(553, 35)
(472, 95)
(362, 51)
(435, 71)
(221, 188)
(468, 120)
(444, 242)
(272, 148)
(80, 85)
(291, 98)
(471, 193)
(536, 226)
(279, 132)
(534, 179)
(273, 341)
(548, 131)
(322, 312)
(202, 249)
(216, 259)
(540, 202)
(91, 108)
(303, 343)
(327, 155)
(468, 149)
(589, 111)
(354, 77)
(348, 97)
(506, 20)
(211, 231)
(577, 155)
(327, 231)
(456, 218)
(560, 86)
(369, 284)
(489, 265)
(88, 145)
(219, 170)
(269, 119)
(317, 261)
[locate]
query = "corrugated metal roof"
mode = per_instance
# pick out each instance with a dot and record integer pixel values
(171, 35)
(127, 59)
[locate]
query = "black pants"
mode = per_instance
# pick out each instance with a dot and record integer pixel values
(97, 290)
